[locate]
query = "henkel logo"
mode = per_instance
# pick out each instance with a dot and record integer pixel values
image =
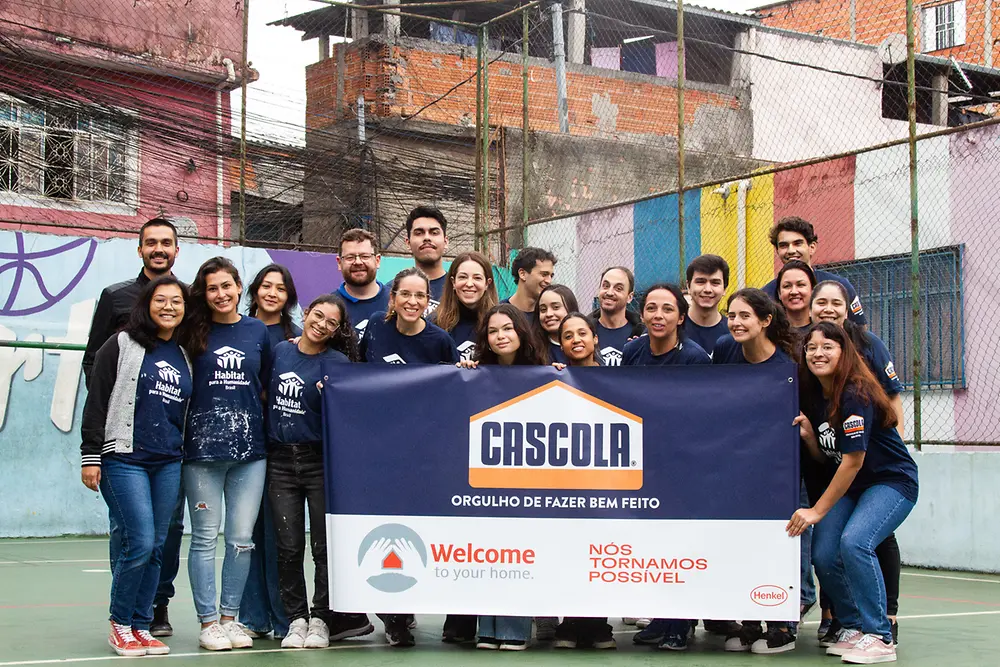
(392, 557)
(290, 385)
(769, 596)
(229, 357)
(168, 373)
(555, 437)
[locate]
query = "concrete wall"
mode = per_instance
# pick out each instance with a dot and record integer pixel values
(953, 525)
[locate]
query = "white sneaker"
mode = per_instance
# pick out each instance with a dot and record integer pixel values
(214, 638)
(319, 634)
(870, 650)
(629, 621)
(296, 637)
(643, 623)
(846, 640)
(237, 635)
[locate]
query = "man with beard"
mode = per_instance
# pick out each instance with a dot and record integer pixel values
(158, 250)
(795, 238)
(359, 261)
(426, 234)
(616, 324)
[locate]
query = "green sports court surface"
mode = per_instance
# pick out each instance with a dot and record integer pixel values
(53, 609)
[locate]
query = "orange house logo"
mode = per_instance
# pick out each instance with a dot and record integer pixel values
(555, 437)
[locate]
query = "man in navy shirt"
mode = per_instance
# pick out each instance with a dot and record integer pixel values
(616, 324)
(158, 250)
(533, 270)
(795, 238)
(708, 279)
(359, 261)
(426, 234)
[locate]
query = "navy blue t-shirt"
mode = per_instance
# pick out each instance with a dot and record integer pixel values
(880, 363)
(687, 352)
(555, 352)
(276, 333)
(855, 311)
(361, 310)
(437, 289)
(705, 336)
(612, 343)
(226, 418)
(464, 332)
(384, 344)
(728, 351)
(887, 460)
(161, 401)
(295, 405)
(528, 316)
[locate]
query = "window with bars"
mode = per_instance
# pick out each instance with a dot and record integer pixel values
(64, 153)
(883, 285)
(944, 25)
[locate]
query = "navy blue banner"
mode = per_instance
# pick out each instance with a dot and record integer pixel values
(684, 442)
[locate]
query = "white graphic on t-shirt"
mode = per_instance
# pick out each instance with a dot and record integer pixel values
(168, 372)
(466, 350)
(890, 371)
(393, 359)
(229, 357)
(290, 385)
(360, 327)
(611, 356)
(432, 305)
(856, 307)
(828, 442)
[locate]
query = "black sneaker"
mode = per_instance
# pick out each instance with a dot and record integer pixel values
(741, 640)
(566, 635)
(603, 639)
(345, 626)
(674, 642)
(488, 644)
(397, 632)
(459, 629)
(832, 635)
(775, 641)
(160, 627)
(895, 633)
(721, 628)
(652, 634)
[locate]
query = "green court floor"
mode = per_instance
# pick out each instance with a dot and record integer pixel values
(53, 609)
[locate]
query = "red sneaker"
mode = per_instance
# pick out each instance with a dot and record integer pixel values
(152, 645)
(124, 642)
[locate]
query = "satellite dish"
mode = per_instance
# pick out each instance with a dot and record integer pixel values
(892, 50)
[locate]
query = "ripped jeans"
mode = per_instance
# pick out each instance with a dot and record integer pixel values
(206, 484)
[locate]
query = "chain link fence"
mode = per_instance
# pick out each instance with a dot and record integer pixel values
(568, 125)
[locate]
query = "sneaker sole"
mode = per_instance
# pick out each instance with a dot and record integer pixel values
(563, 644)
(741, 649)
(293, 648)
(353, 632)
(486, 646)
(647, 642)
(667, 647)
(513, 647)
(871, 660)
(162, 650)
(215, 648)
(839, 652)
(779, 649)
(604, 646)
(128, 652)
(165, 632)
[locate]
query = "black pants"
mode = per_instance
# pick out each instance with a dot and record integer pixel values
(295, 478)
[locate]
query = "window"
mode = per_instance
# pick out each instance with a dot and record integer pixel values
(944, 25)
(65, 153)
(883, 285)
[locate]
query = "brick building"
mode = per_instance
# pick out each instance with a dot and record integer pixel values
(114, 112)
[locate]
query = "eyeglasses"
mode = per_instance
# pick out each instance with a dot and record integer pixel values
(827, 348)
(327, 321)
(364, 257)
(406, 295)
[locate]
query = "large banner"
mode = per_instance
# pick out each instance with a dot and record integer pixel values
(651, 492)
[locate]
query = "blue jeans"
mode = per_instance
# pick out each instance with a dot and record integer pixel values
(505, 628)
(262, 609)
(845, 556)
(206, 483)
(141, 500)
(807, 590)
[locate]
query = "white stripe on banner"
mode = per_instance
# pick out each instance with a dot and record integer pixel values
(594, 567)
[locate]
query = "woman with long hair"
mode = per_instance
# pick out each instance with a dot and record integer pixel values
(505, 339)
(295, 472)
(554, 303)
(795, 282)
(224, 447)
(830, 303)
(468, 294)
(847, 418)
(758, 334)
(131, 450)
(272, 298)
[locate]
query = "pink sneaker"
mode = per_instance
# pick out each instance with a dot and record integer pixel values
(846, 640)
(870, 650)
(152, 645)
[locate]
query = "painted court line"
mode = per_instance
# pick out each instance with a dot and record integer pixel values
(951, 577)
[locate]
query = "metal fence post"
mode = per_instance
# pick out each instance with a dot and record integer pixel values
(911, 101)
(484, 36)
(244, 69)
(682, 264)
(524, 116)
(479, 130)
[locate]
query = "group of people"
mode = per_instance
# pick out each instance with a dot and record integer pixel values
(191, 402)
